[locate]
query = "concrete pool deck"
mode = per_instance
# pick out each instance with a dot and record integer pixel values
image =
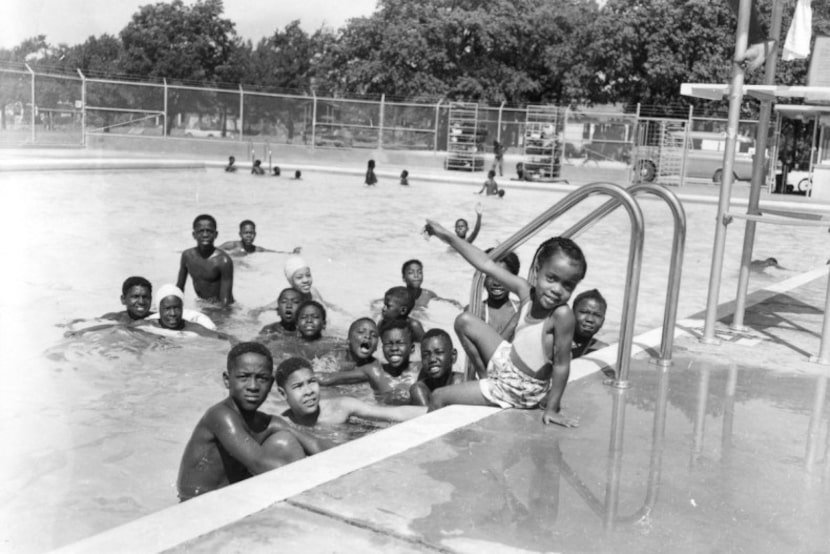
(726, 450)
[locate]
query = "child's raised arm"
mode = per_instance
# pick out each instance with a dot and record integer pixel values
(479, 260)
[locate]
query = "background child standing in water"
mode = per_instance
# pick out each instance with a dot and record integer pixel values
(371, 179)
(533, 369)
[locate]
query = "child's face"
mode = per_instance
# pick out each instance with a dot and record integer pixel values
(397, 347)
(302, 392)
(287, 305)
(301, 280)
(556, 280)
(170, 312)
(413, 276)
(204, 232)
(590, 315)
(247, 233)
(249, 380)
(461, 228)
(495, 289)
(137, 301)
(437, 357)
(310, 323)
(363, 340)
(393, 308)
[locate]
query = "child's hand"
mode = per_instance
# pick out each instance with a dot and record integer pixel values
(558, 418)
(297, 250)
(479, 208)
(433, 228)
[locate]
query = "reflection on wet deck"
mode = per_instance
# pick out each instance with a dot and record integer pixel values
(702, 457)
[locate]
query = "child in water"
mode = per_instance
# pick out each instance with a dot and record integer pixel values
(437, 359)
(589, 311)
(371, 179)
(533, 369)
(490, 185)
(405, 178)
(288, 303)
(462, 227)
(257, 168)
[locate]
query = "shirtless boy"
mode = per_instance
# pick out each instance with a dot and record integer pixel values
(247, 234)
(288, 302)
(210, 268)
(462, 226)
(413, 275)
(499, 308)
(397, 304)
(358, 362)
(298, 385)
(234, 440)
(437, 359)
(136, 297)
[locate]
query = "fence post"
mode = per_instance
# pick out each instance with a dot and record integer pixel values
(83, 107)
(380, 132)
(437, 115)
(241, 112)
(313, 118)
(164, 127)
(32, 117)
(498, 129)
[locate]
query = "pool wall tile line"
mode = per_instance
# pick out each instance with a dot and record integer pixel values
(183, 522)
(172, 526)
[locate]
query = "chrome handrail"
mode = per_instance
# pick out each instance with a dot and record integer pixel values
(635, 254)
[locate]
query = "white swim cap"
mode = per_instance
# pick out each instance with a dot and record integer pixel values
(293, 264)
(169, 290)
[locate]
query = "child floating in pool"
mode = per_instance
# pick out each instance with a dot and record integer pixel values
(298, 384)
(397, 305)
(234, 440)
(257, 168)
(288, 302)
(533, 369)
(405, 178)
(247, 234)
(413, 275)
(171, 318)
(437, 359)
(210, 268)
(461, 226)
(231, 168)
(371, 178)
(490, 186)
(589, 311)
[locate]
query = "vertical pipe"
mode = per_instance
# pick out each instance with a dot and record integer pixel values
(381, 118)
(498, 129)
(164, 127)
(83, 107)
(313, 118)
(615, 452)
(686, 146)
(735, 98)
(241, 112)
(814, 429)
(729, 411)
(824, 349)
(700, 414)
(437, 121)
(32, 117)
(758, 167)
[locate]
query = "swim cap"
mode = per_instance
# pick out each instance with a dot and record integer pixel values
(169, 290)
(293, 264)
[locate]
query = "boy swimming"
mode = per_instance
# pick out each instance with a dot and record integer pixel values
(371, 178)
(136, 297)
(490, 186)
(437, 359)
(257, 168)
(210, 268)
(412, 272)
(398, 304)
(533, 369)
(247, 234)
(298, 385)
(230, 168)
(234, 440)
(358, 362)
(462, 227)
(288, 302)
(589, 311)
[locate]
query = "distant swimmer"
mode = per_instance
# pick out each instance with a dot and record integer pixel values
(276, 170)
(371, 178)
(761, 265)
(257, 168)
(210, 268)
(247, 234)
(171, 317)
(298, 174)
(230, 168)
(490, 187)
(461, 226)
(405, 178)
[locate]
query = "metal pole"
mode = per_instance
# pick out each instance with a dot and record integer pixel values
(735, 98)
(313, 118)
(758, 167)
(437, 118)
(32, 115)
(380, 131)
(824, 349)
(686, 148)
(241, 112)
(498, 129)
(814, 428)
(615, 452)
(164, 128)
(83, 107)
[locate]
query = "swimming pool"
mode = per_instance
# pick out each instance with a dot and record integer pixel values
(96, 437)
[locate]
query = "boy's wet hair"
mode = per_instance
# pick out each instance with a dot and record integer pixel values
(511, 261)
(564, 245)
(287, 289)
(276, 171)
(358, 321)
(491, 173)
(404, 174)
(408, 263)
(289, 366)
(402, 295)
(436, 332)
(135, 281)
(460, 220)
(315, 304)
(248, 348)
(205, 217)
(247, 222)
(390, 324)
(592, 294)
(298, 174)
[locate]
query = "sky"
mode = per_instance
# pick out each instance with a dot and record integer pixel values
(72, 21)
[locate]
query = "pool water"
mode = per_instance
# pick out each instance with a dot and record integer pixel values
(95, 427)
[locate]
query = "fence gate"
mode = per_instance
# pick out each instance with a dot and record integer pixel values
(659, 150)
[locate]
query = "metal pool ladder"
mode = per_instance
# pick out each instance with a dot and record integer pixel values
(624, 197)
